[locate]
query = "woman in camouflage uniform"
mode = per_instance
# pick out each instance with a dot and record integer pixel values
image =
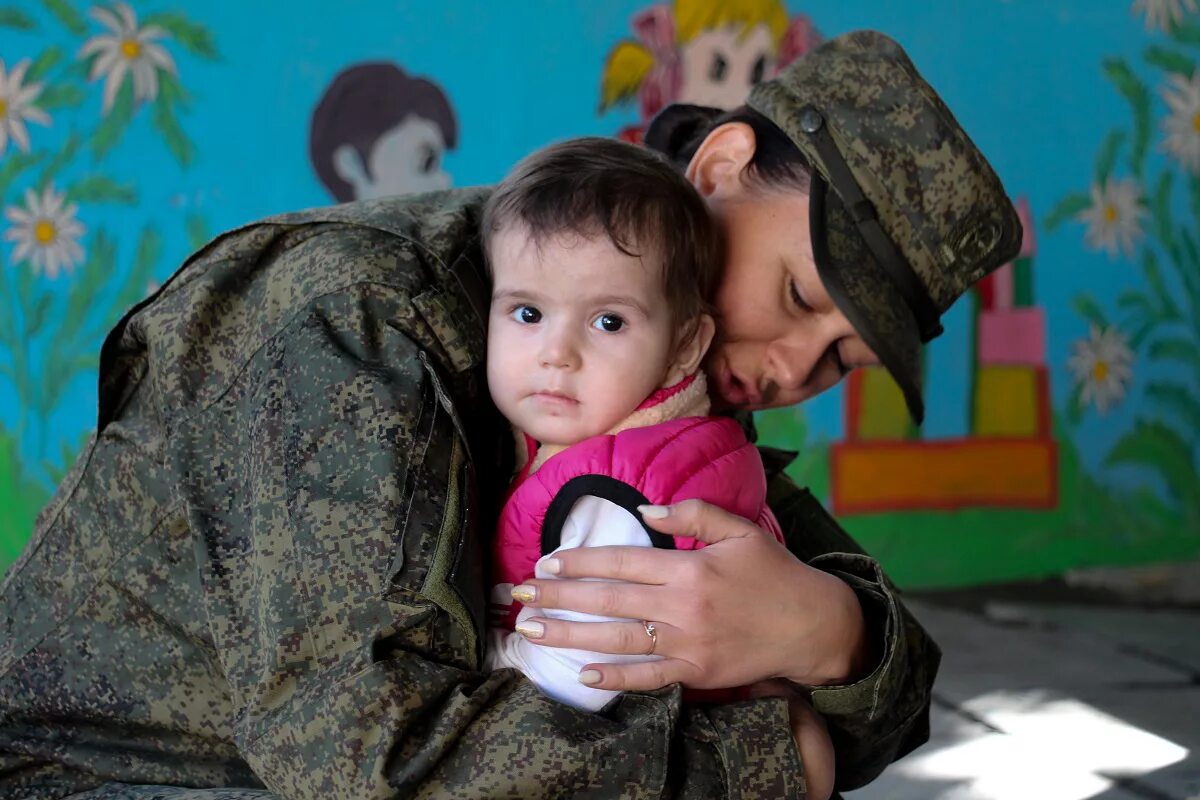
(264, 577)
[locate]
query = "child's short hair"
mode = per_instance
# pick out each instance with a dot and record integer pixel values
(592, 185)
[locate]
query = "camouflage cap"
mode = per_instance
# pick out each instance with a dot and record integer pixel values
(905, 212)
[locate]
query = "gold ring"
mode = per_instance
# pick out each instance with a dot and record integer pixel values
(652, 632)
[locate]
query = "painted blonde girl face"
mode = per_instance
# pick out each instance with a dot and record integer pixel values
(720, 65)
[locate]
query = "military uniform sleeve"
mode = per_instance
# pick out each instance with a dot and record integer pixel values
(317, 487)
(885, 715)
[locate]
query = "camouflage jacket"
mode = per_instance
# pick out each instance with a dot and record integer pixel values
(266, 570)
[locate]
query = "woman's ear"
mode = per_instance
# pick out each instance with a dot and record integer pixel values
(689, 354)
(716, 169)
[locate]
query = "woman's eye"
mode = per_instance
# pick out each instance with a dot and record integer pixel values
(718, 68)
(760, 69)
(609, 323)
(796, 298)
(526, 315)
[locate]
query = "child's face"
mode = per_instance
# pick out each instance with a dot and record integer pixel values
(578, 336)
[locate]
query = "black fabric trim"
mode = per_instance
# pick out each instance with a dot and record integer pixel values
(866, 219)
(606, 488)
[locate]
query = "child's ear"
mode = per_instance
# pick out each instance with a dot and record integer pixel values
(689, 354)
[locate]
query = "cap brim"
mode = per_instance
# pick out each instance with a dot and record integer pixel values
(865, 294)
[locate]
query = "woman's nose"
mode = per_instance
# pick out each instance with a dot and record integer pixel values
(790, 363)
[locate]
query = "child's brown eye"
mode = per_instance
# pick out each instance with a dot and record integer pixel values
(609, 323)
(527, 315)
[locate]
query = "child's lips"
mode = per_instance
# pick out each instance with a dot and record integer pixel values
(552, 397)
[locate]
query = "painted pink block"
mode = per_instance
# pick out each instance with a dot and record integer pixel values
(1002, 287)
(1028, 239)
(1013, 336)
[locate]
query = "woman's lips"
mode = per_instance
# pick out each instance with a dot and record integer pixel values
(736, 391)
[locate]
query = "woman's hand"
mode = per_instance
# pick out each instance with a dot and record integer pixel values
(739, 611)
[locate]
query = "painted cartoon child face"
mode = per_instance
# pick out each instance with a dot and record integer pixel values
(407, 159)
(579, 334)
(720, 65)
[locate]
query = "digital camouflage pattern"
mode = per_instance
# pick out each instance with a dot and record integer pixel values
(932, 190)
(266, 571)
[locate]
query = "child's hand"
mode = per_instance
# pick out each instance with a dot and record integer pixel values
(739, 611)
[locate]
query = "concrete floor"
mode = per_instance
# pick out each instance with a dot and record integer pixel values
(1057, 695)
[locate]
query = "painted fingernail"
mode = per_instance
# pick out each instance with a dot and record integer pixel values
(654, 512)
(552, 565)
(590, 676)
(524, 593)
(530, 629)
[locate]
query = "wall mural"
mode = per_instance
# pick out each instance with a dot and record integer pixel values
(1129, 213)
(702, 52)
(65, 278)
(128, 137)
(378, 132)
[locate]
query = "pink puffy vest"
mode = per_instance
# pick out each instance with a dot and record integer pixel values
(708, 458)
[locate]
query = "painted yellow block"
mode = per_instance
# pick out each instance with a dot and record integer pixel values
(882, 413)
(1007, 401)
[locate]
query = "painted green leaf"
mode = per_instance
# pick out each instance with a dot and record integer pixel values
(1162, 449)
(1107, 156)
(1167, 308)
(149, 250)
(197, 231)
(65, 95)
(191, 35)
(1160, 208)
(1138, 96)
(35, 315)
(1175, 349)
(1187, 33)
(101, 189)
(1075, 404)
(16, 18)
(110, 130)
(60, 160)
(1086, 307)
(67, 15)
(1169, 60)
(1068, 208)
(94, 273)
(1142, 328)
(1176, 399)
(171, 91)
(46, 60)
(1189, 267)
(167, 125)
(14, 164)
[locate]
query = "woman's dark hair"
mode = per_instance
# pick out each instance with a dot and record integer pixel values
(678, 130)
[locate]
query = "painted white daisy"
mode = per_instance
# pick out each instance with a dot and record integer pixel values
(1102, 364)
(1162, 14)
(1114, 219)
(46, 232)
(16, 106)
(1182, 126)
(127, 49)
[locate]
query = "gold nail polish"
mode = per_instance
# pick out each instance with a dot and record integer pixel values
(524, 593)
(530, 629)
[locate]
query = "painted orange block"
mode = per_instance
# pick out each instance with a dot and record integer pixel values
(1009, 400)
(943, 475)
